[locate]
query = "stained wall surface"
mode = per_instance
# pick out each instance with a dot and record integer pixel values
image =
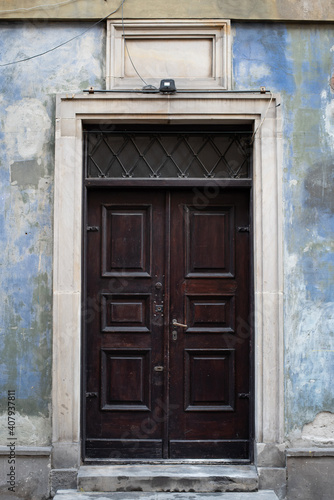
(298, 62)
(27, 114)
(279, 10)
(293, 60)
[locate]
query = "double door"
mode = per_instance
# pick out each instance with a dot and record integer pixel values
(167, 333)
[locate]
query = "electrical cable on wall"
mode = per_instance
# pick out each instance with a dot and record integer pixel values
(147, 86)
(37, 7)
(262, 121)
(63, 43)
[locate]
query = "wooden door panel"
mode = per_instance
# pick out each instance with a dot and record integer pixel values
(209, 242)
(126, 313)
(126, 240)
(209, 380)
(210, 294)
(124, 335)
(132, 366)
(210, 313)
(200, 261)
(209, 449)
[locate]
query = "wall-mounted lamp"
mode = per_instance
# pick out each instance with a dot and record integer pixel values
(167, 86)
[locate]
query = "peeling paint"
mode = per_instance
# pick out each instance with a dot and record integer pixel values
(26, 173)
(321, 430)
(26, 128)
(329, 119)
(301, 62)
(27, 113)
(295, 61)
(29, 429)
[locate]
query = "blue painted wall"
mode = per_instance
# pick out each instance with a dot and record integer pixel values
(296, 62)
(27, 114)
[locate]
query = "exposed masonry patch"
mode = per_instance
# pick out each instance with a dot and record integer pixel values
(329, 119)
(331, 82)
(26, 173)
(26, 127)
(30, 431)
(321, 430)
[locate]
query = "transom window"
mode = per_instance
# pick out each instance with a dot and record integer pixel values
(167, 152)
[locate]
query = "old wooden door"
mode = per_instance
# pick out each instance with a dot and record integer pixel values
(167, 324)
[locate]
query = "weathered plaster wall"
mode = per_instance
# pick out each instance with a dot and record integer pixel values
(298, 62)
(305, 10)
(295, 61)
(27, 102)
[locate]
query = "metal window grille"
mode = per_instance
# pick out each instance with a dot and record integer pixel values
(167, 153)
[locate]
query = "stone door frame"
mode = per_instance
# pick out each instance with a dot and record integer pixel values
(216, 107)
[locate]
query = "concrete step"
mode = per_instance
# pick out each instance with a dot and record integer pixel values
(168, 478)
(75, 495)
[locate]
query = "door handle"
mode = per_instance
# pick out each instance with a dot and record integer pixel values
(175, 323)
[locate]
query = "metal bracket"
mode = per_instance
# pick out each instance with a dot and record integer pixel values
(91, 394)
(93, 229)
(243, 229)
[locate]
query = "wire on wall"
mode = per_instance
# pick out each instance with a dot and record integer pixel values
(63, 43)
(37, 7)
(262, 121)
(147, 86)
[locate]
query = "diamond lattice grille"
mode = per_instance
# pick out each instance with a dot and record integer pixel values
(167, 154)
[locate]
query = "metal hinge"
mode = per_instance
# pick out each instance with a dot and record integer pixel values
(244, 229)
(243, 395)
(91, 394)
(93, 229)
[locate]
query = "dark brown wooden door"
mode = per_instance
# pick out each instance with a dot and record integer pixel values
(154, 389)
(209, 293)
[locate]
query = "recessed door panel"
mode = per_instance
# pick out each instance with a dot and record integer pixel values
(126, 313)
(126, 240)
(132, 366)
(209, 241)
(209, 380)
(210, 313)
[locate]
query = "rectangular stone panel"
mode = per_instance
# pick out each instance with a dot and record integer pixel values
(168, 59)
(194, 53)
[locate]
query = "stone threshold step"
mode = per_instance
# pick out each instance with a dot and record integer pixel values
(75, 495)
(168, 478)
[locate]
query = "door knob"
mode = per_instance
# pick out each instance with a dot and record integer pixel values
(175, 323)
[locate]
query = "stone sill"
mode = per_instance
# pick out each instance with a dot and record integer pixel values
(310, 452)
(24, 451)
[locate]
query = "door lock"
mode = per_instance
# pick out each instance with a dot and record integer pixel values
(175, 323)
(159, 308)
(174, 335)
